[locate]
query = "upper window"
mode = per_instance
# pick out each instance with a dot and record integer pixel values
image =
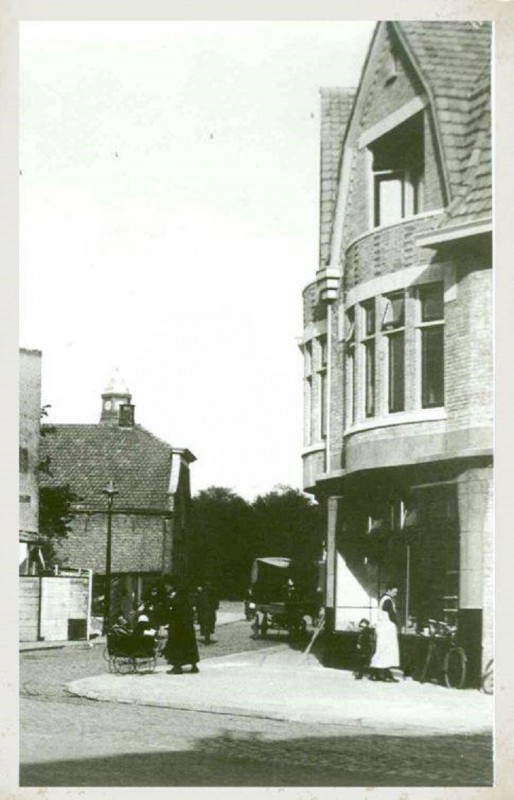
(432, 345)
(394, 353)
(398, 172)
(323, 351)
(322, 371)
(350, 361)
(393, 324)
(369, 357)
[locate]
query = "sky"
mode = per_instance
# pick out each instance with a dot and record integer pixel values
(169, 195)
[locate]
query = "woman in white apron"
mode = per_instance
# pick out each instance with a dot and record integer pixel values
(387, 652)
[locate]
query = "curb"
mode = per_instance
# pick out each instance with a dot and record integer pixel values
(31, 647)
(371, 726)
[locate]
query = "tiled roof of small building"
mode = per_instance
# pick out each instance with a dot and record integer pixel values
(336, 106)
(87, 457)
(454, 59)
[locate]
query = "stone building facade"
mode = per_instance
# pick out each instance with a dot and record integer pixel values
(150, 510)
(397, 339)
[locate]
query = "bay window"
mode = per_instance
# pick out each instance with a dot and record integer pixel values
(393, 354)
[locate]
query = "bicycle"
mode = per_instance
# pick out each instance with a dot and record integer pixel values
(451, 666)
(487, 683)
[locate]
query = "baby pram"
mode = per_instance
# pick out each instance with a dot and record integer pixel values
(131, 652)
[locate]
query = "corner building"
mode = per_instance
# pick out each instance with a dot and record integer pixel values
(397, 339)
(150, 516)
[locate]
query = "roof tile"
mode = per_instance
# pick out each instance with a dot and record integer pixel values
(86, 457)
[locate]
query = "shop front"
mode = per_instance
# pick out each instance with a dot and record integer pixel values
(387, 529)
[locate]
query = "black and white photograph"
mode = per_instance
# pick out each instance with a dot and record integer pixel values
(256, 403)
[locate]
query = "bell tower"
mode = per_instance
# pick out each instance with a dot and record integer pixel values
(115, 395)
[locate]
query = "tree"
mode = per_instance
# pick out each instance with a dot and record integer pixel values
(221, 537)
(55, 505)
(227, 533)
(288, 523)
(55, 517)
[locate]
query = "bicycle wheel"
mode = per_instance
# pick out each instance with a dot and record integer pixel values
(488, 679)
(124, 665)
(425, 671)
(455, 668)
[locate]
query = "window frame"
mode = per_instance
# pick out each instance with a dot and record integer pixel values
(351, 365)
(369, 345)
(322, 385)
(394, 332)
(403, 164)
(425, 328)
(307, 351)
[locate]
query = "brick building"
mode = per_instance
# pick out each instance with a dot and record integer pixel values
(149, 522)
(30, 410)
(397, 336)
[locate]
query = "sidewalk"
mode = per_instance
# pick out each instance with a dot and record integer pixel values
(282, 684)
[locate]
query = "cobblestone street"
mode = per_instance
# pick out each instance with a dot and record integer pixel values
(67, 741)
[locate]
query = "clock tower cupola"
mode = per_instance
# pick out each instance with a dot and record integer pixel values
(115, 399)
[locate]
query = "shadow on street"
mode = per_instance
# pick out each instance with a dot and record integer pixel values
(251, 760)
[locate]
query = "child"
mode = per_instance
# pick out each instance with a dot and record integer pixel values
(365, 646)
(144, 626)
(121, 626)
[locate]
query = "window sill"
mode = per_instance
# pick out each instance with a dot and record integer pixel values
(314, 448)
(399, 418)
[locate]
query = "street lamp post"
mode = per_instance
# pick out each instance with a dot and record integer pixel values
(110, 492)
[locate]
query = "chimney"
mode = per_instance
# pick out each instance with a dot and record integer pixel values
(126, 418)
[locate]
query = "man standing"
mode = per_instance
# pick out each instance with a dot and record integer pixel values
(206, 607)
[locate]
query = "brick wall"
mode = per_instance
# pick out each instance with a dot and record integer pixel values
(313, 309)
(387, 250)
(137, 542)
(469, 350)
(383, 96)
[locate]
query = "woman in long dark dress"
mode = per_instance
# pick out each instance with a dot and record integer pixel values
(181, 648)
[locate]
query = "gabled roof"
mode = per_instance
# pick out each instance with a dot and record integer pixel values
(87, 456)
(336, 106)
(453, 60)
